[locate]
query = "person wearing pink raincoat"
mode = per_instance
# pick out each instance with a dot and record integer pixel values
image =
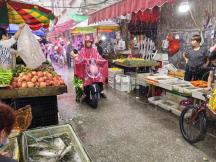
(90, 66)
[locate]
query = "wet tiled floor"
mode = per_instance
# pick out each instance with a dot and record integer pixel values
(124, 129)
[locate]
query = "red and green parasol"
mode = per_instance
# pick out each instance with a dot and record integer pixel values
(14, 12)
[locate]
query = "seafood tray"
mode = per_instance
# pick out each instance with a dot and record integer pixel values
(162, 78)
(189, 90)
(180, 87)
(198, 94)
(12, 148)
(53, 144)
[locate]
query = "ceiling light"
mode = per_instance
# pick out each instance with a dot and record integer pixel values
(184, 7)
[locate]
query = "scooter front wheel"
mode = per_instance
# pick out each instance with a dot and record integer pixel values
(94, 101)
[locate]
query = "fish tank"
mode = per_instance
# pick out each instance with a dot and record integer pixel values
(53, 144)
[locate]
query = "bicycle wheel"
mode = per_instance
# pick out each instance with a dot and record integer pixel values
(193, 124)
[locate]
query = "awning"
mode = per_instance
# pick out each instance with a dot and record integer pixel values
(84, 28)
(60, 28)
(123, 7)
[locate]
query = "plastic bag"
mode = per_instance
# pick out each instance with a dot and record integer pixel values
(29, 49)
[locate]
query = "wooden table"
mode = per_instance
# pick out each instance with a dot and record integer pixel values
(43, 102)
(137, 68)
(7, 93)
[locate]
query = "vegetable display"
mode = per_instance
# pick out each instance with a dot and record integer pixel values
(5, 77)
(136, 62)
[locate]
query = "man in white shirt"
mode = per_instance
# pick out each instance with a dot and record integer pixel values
(5, 46)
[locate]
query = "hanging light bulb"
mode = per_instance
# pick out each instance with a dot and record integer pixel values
(184, 6)
(103, 38)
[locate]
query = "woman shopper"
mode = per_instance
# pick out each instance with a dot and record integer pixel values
(5, 47)
(7, 119)
(196, 60)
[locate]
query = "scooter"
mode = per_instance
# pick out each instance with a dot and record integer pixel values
(93, 94)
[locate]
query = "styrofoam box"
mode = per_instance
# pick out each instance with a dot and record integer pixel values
(111, 84)
(155, 100)
(198, 94)
(122, 82)
(167, 104)
(113, 73)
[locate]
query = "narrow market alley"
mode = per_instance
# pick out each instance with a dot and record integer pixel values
(126, 129)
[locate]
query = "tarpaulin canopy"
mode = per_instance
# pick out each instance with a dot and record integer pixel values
(13, 28)
(77, 17)
(84, 28)
(62, 27)
(14, 12)
(124, 7)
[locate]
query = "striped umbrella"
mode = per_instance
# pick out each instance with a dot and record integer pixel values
(14, 12)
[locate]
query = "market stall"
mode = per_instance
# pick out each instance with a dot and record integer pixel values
(172, 91)
(38, 88)
(100, 31)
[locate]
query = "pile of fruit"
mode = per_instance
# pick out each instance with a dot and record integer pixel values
(5, 77)
(177, 74)
(36, 79)
(199, 83)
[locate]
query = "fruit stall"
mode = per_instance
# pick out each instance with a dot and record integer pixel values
(35, 87)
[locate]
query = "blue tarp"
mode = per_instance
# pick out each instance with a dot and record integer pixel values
(13, 29)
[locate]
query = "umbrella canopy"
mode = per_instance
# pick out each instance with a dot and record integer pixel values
(105, 26)
(13, 29)
(13, 12)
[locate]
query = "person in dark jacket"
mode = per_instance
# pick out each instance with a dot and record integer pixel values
(196, 60)
(68, 54)
(100, 48)
(7, 119)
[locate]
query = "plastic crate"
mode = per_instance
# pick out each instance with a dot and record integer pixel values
(44, 110)
(54, 132)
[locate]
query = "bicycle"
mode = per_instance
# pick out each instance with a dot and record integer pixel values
(194, 121)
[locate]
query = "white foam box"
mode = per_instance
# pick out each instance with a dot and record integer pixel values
(198, 94)
(167, 104)
(176, 111)
(155, 100)
(111, 82)
(113, 73)
(122, 83)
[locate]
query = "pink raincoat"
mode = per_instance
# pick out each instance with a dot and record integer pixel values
(91, 67)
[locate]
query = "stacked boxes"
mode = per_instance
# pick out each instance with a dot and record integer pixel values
(112, 74)
(123, 83)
